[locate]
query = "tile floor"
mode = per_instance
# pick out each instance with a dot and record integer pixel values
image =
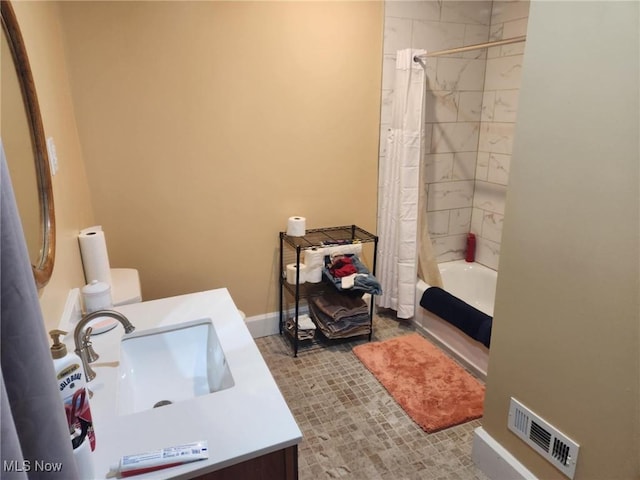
(351, 426)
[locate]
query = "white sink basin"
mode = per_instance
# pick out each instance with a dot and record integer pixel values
(166, 365)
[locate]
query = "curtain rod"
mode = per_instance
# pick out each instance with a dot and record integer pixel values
(471, 47)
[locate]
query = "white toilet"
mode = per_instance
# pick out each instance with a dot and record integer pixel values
(125, 286)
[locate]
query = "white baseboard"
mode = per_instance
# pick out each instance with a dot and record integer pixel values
(268, 323)
(495, 461)
(263, 325)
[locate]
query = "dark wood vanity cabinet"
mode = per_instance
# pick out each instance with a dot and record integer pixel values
(278, 465)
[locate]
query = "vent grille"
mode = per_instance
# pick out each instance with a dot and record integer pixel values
(545, 439)
(540, 436)
(561, 451)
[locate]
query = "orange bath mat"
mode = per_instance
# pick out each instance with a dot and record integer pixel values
(434, 390)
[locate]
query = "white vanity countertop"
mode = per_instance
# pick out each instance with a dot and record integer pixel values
(245, 421)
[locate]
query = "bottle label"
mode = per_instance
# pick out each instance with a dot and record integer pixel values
(75, 368)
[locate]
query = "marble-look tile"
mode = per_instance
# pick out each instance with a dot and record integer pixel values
(496, 33)
(474, 34)
(515, 28)
(470, 107)
(388, 72)
(397, 35)
(419, 10)
(477, 216)
(449, 248)
(492, 226)
(448, 195)
(499, 168)
(505, 11)
(490, 197)
(480, 54)
(503, 73)
(482, 166)
(455, 137)
(488, 253)
(438, 167)
(505, 105)
(493, 52)
(459, 74)
(441, 106)
(434, 36)
(512, 49)
(459, 221)
(496, 137)
(488, 106)
(428, 134)
(438, 223)
(473, 12)
(464, 166)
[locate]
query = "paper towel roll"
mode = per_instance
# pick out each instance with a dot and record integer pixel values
(291, 273)
(296, 226)
(95, 259)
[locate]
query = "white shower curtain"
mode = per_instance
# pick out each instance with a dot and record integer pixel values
(399, 189)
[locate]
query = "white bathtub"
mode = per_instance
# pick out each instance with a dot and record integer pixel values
(476, 285)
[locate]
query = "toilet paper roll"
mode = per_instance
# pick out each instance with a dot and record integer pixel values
(313, 257)
(291, 273)
(296, 226)
(313, 275)
(95, 259)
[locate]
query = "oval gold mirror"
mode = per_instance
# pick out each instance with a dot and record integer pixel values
(25, 147)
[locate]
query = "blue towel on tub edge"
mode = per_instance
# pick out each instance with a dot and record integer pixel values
(458, 313)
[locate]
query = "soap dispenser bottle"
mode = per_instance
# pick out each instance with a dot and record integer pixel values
(74, 394)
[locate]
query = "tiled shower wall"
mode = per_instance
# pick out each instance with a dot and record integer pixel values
(471, 104)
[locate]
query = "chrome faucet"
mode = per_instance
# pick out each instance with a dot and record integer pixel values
(83, 339)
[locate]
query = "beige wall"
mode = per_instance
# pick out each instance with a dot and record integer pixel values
(205, 125)
(40, 26)
(566, 326)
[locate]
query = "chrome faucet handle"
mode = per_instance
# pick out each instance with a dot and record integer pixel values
(92, 355)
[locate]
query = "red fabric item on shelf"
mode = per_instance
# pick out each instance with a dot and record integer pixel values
(342, 267)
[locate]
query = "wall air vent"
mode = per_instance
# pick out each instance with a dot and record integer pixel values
(554, 446)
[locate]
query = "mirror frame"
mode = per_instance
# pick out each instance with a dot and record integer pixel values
(43, 268)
